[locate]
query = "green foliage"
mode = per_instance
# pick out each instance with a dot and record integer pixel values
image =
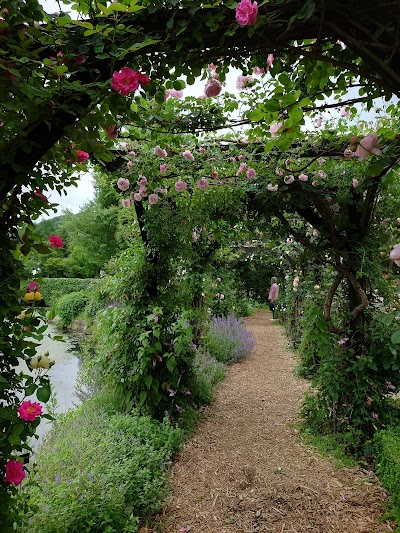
(387, 463)
(54, 288)
(100, 471)
(70, 306)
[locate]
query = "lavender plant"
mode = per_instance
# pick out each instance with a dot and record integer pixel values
(228, 340)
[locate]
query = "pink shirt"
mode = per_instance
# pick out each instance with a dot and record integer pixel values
(273, 292)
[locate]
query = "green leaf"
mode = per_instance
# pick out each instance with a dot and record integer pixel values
(43, 393)
(171, 364)
(386, 318)
(148, 381)
(395, 338)
(256, 115)
(119, 7)
(376, 168)
(104, 9)
(142, 398)
(42, 248)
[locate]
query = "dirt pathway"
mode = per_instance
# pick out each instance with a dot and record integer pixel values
(246, 469)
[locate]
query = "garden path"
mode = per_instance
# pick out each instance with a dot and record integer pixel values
(246, 468)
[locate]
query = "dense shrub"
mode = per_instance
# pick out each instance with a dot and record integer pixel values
(99, 471)
(387, 462)
(54, 288)
(70, 306)
(207, 373)
(228, 340)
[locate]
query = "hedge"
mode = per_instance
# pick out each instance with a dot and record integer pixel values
(54, 288)
(387, 462)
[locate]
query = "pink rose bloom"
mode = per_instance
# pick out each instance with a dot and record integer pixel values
(137, 197)
(29, 411)
(187, 154)
(202, 150)
(240, 157)
(250, 173)
(258, 71)
(395, 254)
(213, 88)
(202, 183)
(246, 13)
(180, 186)
(244, 82)
(153, 199)
(81, 156)
(288, 162)
(215, 76)
(143, 79)
(163, 168)
(270, 60)
(279, 172)
(355, 183)
(56, 241)
(348, 154)
(242, 168)
(211, 66)
(195, 236)
(314, 183)
(368, 145)
(33, 286)
(15, 472)
(319, 122)
(320, 174)
(129, 164)
(123, 144)
(132, 153)
(143, 191)
(142, 180)
(274, 129)
(111, 131)
(173, 93)
(303, 177)
(288, 179)
(272, 188)
(125, 81)
(126, 202)
(214, 175)
(123, 184)
(159, 152)
(232, 159)
(80, 59)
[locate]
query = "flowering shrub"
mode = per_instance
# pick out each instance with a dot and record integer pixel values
(100, 471)
(228, 340)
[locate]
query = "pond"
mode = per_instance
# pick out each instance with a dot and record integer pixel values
(63, 374)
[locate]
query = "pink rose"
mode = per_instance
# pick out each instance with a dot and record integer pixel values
(240, 157)
(258, 71)
(274, 129)
(246, 13)
(395, 254)
(270, 60)
(303, 177)
(160, 152)
(202, 183)
(214, 175)
(123, 184)
(180, 186)
(272, 188)
(143, 191)
(242, 168)
(368, 145)
(81, 156)
(56, 241)
(126, 202)
(137, 197)
(143, 79)
(348, 154)
(187, 154)
(288, 179)
(163, 168)
(173, 93)
(355, 183)
(29, 411)
(244, 82)
(153, 199)
(250, 173)
(15, 472)
(232, 159)
(213, 88)
(111, 131)
(33, 286)
(125, 81)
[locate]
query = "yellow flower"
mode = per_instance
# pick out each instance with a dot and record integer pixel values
(22, 314)
(31, 296)
(41, 361)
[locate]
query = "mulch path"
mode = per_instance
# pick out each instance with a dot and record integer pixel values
(246, 468)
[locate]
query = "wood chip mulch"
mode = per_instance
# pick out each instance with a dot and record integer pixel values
(246, 469)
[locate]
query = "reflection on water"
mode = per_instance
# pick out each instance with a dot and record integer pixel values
(62, 375)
